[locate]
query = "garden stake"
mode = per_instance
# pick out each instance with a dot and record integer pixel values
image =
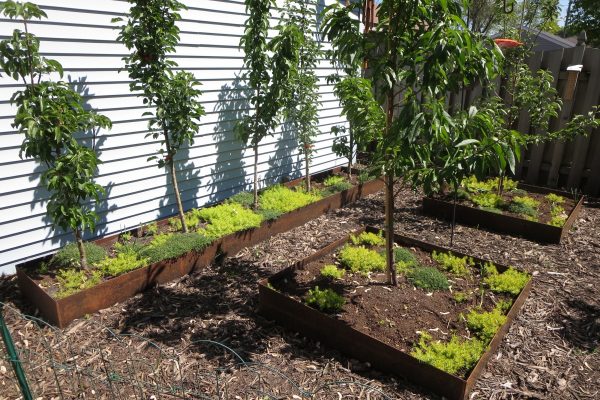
(13, 357)
(453, 216)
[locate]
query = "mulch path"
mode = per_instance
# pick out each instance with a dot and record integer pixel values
(551, 352)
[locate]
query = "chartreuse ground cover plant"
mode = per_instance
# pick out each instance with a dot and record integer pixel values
(368, 239)
(360, 259)
(510, 281)
(460, 266)
(456, 356)
(325, 300)
(283, 199)
(332, 271)
(151, 34)
(49, 115)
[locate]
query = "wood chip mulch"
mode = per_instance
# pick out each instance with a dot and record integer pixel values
(551, 351)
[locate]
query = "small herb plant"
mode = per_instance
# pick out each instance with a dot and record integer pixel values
(332, 271)
(368, 239)
(359, 259)
(485, 324)
(453, 264)
(510, 281)
(283, 199)
(428, 278)
(456, 356)
(325, 300)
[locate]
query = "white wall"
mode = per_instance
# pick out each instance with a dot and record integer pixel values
(79, 34)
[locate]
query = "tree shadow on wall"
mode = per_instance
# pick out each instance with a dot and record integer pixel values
(282, 165)
(91, 139)
(228, 173)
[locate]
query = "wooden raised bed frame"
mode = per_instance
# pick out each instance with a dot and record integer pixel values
(508, 224)
(308, 321)
(60, 312)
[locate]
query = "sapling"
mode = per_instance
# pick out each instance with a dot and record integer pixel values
(151, 34)
(49, 115)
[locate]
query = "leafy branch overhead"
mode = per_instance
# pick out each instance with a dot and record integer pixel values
(50, 115)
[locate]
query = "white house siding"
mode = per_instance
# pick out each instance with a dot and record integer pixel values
(79, 34)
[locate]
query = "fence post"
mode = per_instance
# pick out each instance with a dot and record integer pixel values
(14, 357)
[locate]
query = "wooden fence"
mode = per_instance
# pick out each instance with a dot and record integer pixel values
(574, 165)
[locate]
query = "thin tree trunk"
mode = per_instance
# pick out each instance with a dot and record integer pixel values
(82, 254)
(351, 143)
(173, 172)
(389, 228)
(307, 169)
(255, 146)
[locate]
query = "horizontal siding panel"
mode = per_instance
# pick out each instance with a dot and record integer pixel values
(80, 35)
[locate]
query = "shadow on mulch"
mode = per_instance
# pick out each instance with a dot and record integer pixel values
(582, 324)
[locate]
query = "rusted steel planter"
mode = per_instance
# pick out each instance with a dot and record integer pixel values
(61, 312)
(535, 231)
(336, 333)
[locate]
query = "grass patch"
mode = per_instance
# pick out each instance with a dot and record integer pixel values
(282, 199)
(332, 271)
(68, 256)
(173, 245)
(457, 355)
(225, 219)
(360, 259)
(510, 281)
(428, 278)
(453, 264)
(325, 300)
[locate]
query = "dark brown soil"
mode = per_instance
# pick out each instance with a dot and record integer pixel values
(551, 351)
(395, 315)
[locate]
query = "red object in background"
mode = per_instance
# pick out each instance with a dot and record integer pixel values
(508, 43)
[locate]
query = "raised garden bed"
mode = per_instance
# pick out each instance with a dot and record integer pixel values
(60, 311)
(539, 229)
(382, 325)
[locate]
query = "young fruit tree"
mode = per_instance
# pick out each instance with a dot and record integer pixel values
(151, 34)
(419, 51)
(269, 66)
(50, 115)
(302, 101)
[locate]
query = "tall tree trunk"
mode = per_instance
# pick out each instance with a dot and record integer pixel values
(173, 172)
(82, 254)
(255, 147)
(351, 144)
(389, 227)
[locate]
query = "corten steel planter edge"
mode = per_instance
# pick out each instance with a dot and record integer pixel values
(61, 312)
(502, 223)
(337, 334)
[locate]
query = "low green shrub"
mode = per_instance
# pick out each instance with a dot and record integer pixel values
(428, 278)
(368, 239)
(453, 264)
(325, 300)
(360, 259)
(282, 199)
(71, 281)
(228, 218)
(332, 271)
(510, 281)
(335, 180)
(364, 177)
(245, 199)
(526, 201)
(68, 256)
(457, 355)
(556, 210)
(132, 246)
(558, 220)
(403, 267)
(522, 209)
(555, 199)
(487, 200)
(168, 246)
(402, 254)
(192, 220)
(269, 215)
(125, 261)
(485, 324)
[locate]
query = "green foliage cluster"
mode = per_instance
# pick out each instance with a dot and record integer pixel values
(368, 239)
(510, 281)
(360, 259)
(364, 177)
(283, 199)
(453, 264)
(558, 220)
(71, 281)
(525, 206)
(456, 356)
(192, 220)
(227, 218)
(68, 256)
(168, 246)
(473, 185)
(460, 297)
(485, 324)
(150, 229)
(557, 213)
(404, 255)
(428, 278)
(245, 199)
(487, 200)
(555, 199)
(124, 261)
(334, 184)
(325, 300)
(332, 271)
